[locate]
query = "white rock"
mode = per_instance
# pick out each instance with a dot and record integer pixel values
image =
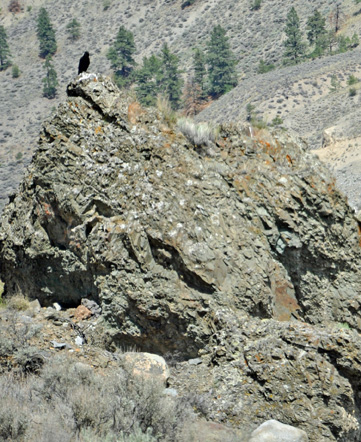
(274, 431)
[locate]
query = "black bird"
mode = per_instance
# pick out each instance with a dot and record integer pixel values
(84, 63)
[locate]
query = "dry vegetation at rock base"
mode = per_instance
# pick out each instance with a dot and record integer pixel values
(53, 397)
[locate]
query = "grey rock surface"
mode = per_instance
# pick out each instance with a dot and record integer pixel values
(248, 259)
(274, 431)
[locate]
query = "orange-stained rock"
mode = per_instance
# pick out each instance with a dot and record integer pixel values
(81, 313)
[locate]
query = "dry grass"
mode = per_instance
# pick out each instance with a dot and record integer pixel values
(199, 134)
(18, 302)
(67, 401)
(165, 108)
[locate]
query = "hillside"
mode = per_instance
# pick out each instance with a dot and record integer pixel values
(237, 256)
(254, 35)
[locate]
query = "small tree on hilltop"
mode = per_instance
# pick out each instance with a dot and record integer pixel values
(73, 29)
(221, 63)
(4, 50)
(46, 34)
(50, 80)
(295, 48)
(121, 57)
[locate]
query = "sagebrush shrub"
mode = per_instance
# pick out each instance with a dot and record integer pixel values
(68, 401)
(199, 134)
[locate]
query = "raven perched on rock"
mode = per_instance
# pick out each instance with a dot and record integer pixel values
(84, 63)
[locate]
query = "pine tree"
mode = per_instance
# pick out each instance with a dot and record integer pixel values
(316, 27)
(317, 34)
(46, 34)
(295, 48)
(4, 50)
(50, 80)
(221, 63)
(121, 57)
(148, 79)
(171, 82)
(73, 28)
(200, 72)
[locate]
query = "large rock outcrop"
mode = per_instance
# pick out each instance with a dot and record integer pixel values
(243, 253)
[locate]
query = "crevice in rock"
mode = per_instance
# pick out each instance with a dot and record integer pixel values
(168, 257)
(101, 207)
(354, 380)
(156, 335)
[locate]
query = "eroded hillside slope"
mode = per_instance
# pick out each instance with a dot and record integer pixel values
(242, 253)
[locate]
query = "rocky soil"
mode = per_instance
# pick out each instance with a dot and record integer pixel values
(239, 255)
(254, 35)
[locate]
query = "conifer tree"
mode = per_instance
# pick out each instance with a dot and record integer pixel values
(121, 57)
(200, 72)
(221, 63)
(317, 34)
(295, 48)
(46, 34)
(171, 81)
(148, 79)
(4, 50)
(50, 80)
(316, 27)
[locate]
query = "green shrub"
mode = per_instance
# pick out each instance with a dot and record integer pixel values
(343, 325)
(352, 80)
(264, 67)
(256, 5)
(106, 4)
(73, 29)
(15, 71)
(352, 91)
(277, 121)
(335, 84)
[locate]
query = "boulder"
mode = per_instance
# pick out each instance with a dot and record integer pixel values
(274, 431)
(147, 365)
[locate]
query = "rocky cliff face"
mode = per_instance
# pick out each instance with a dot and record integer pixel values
(243, 253)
